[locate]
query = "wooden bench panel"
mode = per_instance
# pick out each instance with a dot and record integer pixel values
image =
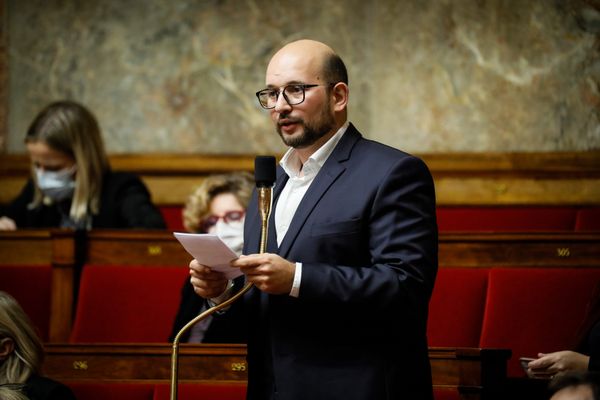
(26, 247)
(519, 250)
(145, 362)
(133, 247)
(465, 369)
(54, 248)
(573, 249)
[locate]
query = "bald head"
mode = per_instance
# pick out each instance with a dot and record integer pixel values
(312, 57)
(305, 47)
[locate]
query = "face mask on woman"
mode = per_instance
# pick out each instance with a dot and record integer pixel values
(232, 234)
(57, 185)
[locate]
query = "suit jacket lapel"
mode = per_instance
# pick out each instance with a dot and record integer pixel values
(332, 168)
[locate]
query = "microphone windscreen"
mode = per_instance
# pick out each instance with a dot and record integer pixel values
(264, 171)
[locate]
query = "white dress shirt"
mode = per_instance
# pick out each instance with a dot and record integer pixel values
(300, 179)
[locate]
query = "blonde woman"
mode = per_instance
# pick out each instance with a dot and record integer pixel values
(21, 357)
(217, 206)
(71, 182)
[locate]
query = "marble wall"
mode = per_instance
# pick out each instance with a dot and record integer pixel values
(425, 75)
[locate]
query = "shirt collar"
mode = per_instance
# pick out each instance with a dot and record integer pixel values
(290, 162)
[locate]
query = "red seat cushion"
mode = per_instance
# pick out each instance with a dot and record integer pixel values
(127, 304)
(506, 219)
(533, 310)
(202, 391)
(588, 219)
(446, 394)
(456, 307)
(31, 286)
(173, 218)
(111, 390)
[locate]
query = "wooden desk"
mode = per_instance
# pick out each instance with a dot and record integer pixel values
(145, 362)
(573, 249)
(160, 248)
(473, 372)
(134, 247)
(519, 250)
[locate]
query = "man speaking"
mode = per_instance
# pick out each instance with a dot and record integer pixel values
(339, 307)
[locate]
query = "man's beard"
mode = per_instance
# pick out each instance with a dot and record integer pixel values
(312, 131)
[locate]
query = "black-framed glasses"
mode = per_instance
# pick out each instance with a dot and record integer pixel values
(228, 217)
(294, 94)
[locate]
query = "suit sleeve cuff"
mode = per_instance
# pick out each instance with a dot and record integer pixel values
(295, 292)
(214, 301)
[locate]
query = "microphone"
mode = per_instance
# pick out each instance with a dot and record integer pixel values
(264, 175)
(264, 171)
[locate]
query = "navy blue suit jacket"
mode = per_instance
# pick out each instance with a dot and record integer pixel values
(366, 235)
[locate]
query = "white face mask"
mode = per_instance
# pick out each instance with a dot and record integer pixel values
(58, 185)
(232, 234)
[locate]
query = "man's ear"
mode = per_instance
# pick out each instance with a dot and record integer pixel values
(340, 96)
(7, 346)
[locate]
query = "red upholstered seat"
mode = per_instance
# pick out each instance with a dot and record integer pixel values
(531, 310)
(446, 394)
(456, 307)
(112, 390)
(588, 219)
(31, 286)
(127, 303)
(202, 391)
(506, 219)
(173, 218)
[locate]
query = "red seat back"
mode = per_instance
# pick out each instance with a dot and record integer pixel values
(111, 390)
(456, 307)
(506, 219)
(588, 219)
(127, 304)
(173, 218)
(532, 310)
(31, 286)
(202, 391)
(446, 394)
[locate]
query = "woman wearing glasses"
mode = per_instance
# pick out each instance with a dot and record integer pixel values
(217, 206)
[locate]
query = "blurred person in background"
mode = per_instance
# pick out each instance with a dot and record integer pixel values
(21, 358)
(217, 206)
(71, 183)
(576, 386)
(585, 355)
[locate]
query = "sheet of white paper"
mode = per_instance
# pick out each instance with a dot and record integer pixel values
(209, 250)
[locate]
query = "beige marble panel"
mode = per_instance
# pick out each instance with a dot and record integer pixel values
(486, 76)
(426, 75)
